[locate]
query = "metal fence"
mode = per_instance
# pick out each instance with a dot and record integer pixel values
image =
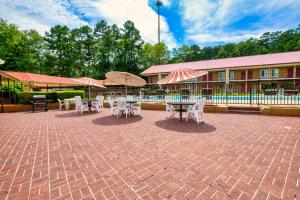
(252, 94)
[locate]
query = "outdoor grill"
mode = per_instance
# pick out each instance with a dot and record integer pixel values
(39, 102)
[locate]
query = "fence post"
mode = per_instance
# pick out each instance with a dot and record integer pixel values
(1, 86)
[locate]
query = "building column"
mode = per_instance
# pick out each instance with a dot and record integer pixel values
(246, 78)
(294, 74)
(226, 79)
(159, 78)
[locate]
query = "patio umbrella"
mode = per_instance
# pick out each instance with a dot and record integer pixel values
(125, 78)
(180, 75)
(90, 82)
(1, 61)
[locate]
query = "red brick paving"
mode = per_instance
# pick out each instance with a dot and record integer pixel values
(63, 155)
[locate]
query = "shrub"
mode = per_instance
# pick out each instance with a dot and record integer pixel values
(70, 94)
(26, 97)
(287, 85)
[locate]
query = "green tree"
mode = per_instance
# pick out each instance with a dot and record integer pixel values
(59, 42)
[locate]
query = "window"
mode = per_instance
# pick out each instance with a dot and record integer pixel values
(221, 76)
(264, 73)
(275, 73)
(231, 75)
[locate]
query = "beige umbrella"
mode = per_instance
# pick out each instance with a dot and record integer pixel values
(125, 78)
(1, 61)
(90, 82)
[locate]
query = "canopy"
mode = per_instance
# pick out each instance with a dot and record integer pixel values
(1, 61)
(181, 74)
(125, 78)
(39, 78)
(89, 81)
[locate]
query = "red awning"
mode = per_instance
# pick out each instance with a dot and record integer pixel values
(181, 74)
(39, 78)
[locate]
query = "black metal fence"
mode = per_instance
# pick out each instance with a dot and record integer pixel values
(237, 93)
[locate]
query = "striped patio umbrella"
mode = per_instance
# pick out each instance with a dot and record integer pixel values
(90, 82)
(181, 74)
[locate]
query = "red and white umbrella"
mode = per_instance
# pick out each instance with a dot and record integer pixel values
(90, 82)
(181, 74)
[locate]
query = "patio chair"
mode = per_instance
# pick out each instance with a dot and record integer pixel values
(122, 107)
(169, 108)
(61, 104)
(137, 106)
(196, 111)
(129, 98)
(112, 105)
(193, 99)
(80, 106)
(98, 104)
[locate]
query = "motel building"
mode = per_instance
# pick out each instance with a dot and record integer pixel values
(239, 74)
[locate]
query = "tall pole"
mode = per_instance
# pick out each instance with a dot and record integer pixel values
(158, 4)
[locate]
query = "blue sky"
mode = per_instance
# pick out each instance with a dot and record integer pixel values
(202, 22)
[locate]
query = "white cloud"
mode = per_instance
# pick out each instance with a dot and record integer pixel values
(42, 14)
(138, 11)
(214, 21)
(39, 15)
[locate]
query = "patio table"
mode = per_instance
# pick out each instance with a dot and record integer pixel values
(68, 102)
(181, 104)
(89, 103)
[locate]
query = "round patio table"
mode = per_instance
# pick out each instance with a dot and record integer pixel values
(89, 103)
(181, 104)
(130, 102)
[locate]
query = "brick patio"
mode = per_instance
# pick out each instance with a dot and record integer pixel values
(63, 155)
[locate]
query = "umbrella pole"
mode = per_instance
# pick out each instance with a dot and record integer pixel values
(89, 92)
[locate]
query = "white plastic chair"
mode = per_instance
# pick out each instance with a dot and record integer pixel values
(137, 106)
(112, 106)
(196, 112)
(80, 106)
(61, 104)
(129, 98)
(122, 107)
(170, 109)
(193, 99)
(98, 104)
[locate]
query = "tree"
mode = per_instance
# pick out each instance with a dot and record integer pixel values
(154, 54)
(59, 42)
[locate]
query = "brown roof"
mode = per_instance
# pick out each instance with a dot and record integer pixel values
(246, 61)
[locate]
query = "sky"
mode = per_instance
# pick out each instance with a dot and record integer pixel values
(201, 22)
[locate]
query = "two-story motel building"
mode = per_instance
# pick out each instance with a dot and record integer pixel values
(239, 73)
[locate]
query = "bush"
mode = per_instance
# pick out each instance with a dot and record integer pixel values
(287, 85)
(70, 94)
(26, 97)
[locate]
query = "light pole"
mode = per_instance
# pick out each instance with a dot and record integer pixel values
(158, 4)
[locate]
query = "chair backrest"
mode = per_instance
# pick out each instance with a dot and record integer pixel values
(193, 99)
(77, 100)
(100, 99)
(121, 102)
(59, 101)
(201, 104)
(130, 98)
(168, 99)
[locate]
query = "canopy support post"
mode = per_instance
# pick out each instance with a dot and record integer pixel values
(1, 86)
(15, 95)
(8, 90)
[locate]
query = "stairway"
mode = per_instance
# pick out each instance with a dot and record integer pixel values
(244, 110)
